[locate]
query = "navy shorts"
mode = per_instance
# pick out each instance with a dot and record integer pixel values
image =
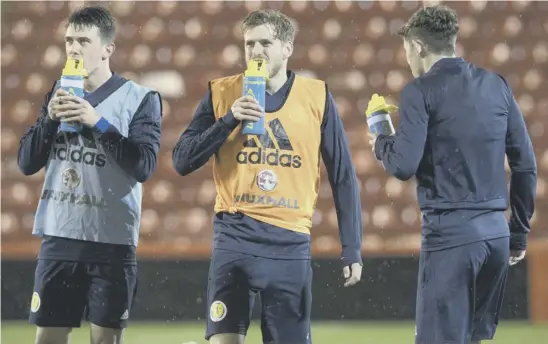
(460, 292)
(65, 292)
(285, 289)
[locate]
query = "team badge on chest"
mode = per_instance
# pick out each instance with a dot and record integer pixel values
(71, 178)
(267, 180)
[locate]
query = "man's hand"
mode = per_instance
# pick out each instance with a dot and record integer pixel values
(516, 256)
(372, 141)
(54, 102)
(353, 274)
(75, 109)
(247, 109)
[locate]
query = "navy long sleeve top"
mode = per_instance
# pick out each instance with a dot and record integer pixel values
(457, 124)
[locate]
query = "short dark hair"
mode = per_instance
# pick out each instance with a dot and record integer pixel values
(284, 27)
(436, 26)
(98, 16)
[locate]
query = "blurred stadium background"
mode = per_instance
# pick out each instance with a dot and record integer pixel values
(176, 47)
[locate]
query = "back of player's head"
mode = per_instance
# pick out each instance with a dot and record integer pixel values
(95, 16)
(436, 27)
(283, 26)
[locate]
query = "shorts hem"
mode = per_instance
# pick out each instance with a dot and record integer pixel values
(211, 334)
(55, 324)
(479, 339)
(120, 326)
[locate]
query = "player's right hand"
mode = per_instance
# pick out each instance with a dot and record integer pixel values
(516, 256)
(247, 108)
(54, 103)
(352, 274)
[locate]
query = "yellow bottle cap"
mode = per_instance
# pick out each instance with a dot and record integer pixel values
(377, 103)
(257, 67)
(75, 67)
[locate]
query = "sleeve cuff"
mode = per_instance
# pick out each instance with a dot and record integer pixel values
(101, 126)
(230, 120)
(51, 122)
(379, 146)
(351, 256)
(518, 241)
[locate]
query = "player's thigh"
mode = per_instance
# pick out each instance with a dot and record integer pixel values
(490, 287)
(287, 302)
(113, 289)
(229, 297)
(227, 338)
(59, 294)
(446, 293)
(104, 335)
(52, 335)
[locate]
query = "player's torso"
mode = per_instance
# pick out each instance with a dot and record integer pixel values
(463, 161)
(273, 177)
(91, 197)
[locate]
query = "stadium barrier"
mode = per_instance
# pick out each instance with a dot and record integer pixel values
(538, 281)
(175, 289)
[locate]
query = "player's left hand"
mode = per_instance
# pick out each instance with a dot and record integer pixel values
(516, 257)
(353, 274)
(75, 109)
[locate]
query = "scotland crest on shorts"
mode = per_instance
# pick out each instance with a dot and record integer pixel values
(71, 178)
(35, 302)
(267, 180)
(217, 311)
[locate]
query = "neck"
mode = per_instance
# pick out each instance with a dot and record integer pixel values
(431, 60)
(97, 78)
(277, 81)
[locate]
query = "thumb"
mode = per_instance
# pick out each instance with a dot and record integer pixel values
(346, 272)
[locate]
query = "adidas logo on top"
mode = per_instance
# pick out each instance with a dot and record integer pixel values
(276, 139)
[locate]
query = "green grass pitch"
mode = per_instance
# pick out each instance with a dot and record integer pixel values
(341, 332)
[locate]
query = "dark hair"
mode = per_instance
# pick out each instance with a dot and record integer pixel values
(100, 17)
(436, 26)
(284, 27)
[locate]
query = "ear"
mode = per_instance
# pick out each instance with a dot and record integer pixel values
(108, 50)
(287, 49)
(419, 47)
